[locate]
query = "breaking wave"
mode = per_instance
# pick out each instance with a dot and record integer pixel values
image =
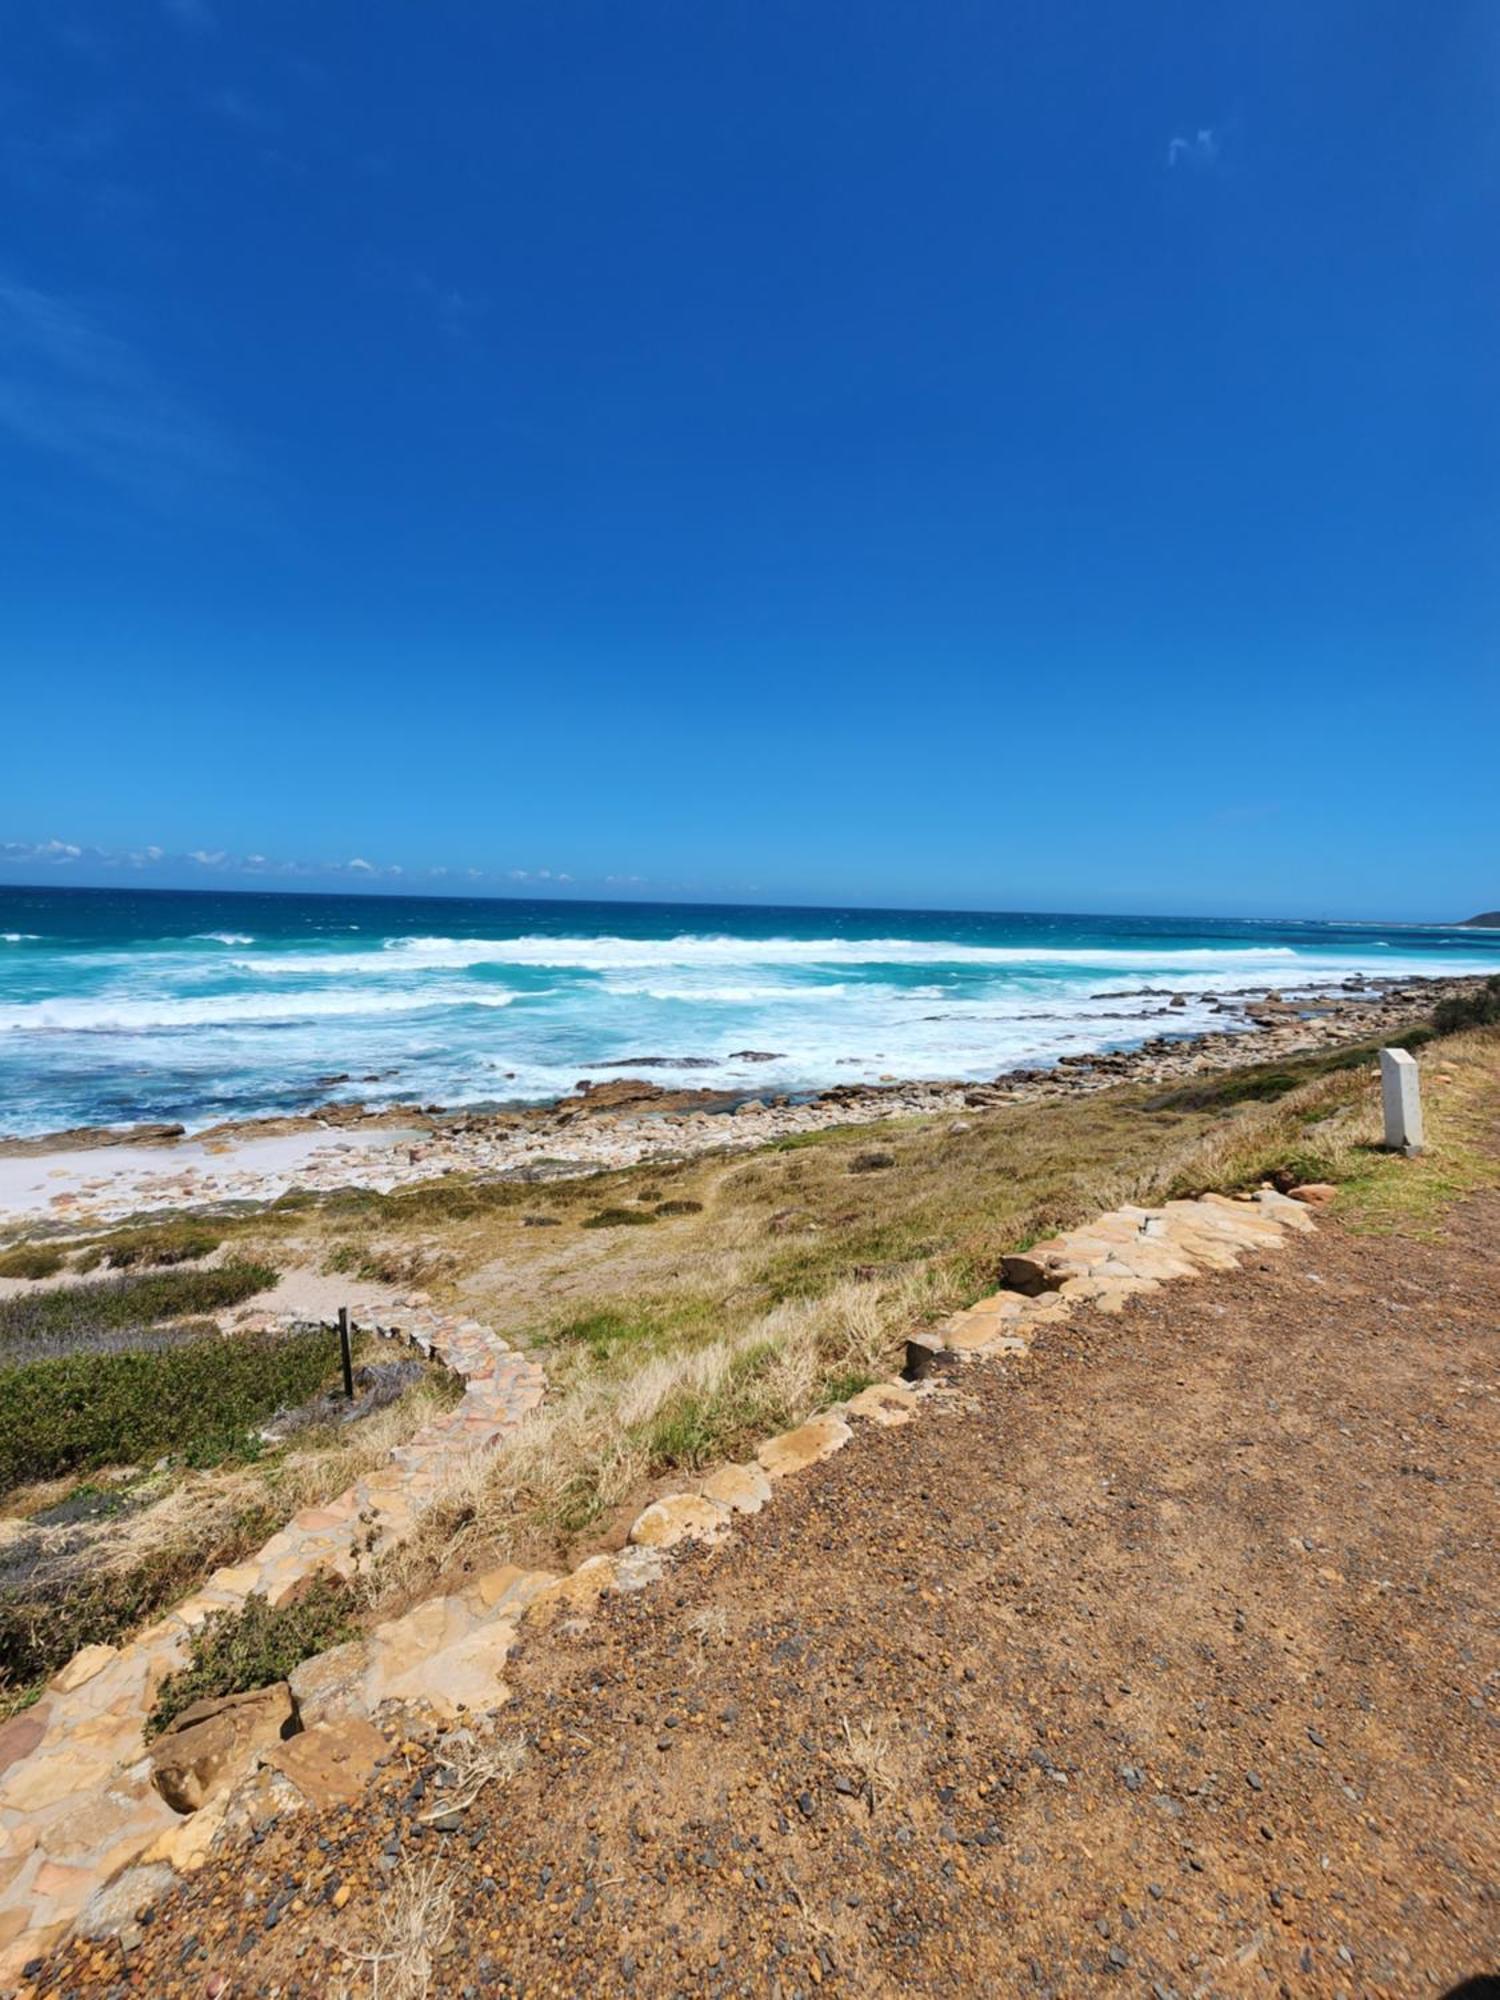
(229, 1010)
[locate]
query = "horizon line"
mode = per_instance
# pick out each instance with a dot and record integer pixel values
(373, 895)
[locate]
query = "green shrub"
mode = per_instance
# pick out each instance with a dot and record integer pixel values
(618, 1218)
(839, 1388)
(199, 1399)
(163, 1243)
(606, 1330)
(234, 1651)
(683, 1207)
(1263, 1083)
(1480, 1009)
(79, 1318)
(30, 1260)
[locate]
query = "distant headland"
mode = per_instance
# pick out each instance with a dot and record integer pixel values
(1487, 920)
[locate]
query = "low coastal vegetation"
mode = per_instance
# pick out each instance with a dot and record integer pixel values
(199, 1398)
(233, 1652)
(31, 1260)
(107, 1314)
(770, 1283)
(181, 1240)
(1477, 1009)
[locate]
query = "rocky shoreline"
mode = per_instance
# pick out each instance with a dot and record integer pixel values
(622, 1121)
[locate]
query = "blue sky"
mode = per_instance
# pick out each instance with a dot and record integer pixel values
(1035, 456)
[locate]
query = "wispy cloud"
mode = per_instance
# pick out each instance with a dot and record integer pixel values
(70, 388)
(1200, 151)
(40, 850)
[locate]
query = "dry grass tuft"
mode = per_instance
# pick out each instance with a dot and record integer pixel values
(472, 1762)
(868, 1750)
(414, 1922)
(708, 1624)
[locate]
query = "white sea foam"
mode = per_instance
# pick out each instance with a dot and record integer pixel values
(222, 937)
(118, 1015)
(733, 996)
(19, 937)
(669, 966)
(610, 954)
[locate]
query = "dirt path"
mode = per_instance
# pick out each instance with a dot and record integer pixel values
(1164, 1661)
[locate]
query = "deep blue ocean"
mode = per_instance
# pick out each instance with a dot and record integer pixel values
(119, 1005)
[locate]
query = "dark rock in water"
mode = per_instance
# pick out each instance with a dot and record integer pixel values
(327, 1082)
(663, 1062)
(754, 1055)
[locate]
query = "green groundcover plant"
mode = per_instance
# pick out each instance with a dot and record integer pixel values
(199, 1399)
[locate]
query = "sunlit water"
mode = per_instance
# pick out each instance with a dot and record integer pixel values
(117, 1006)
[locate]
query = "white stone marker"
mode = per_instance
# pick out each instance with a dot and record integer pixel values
(1401, 1095)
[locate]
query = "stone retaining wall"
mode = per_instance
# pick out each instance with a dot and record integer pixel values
(77, 1801)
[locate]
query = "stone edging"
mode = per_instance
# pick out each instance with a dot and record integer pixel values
(1102, 1264)
(77, 1802)
(445, 1658)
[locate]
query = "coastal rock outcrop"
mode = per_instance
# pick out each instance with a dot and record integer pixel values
(205, 1745)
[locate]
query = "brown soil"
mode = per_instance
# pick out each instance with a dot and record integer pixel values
(1164, 1661)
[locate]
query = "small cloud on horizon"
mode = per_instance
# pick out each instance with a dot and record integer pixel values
(39, 850)
(54, 853)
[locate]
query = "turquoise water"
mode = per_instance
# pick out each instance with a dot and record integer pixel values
(120, 1005)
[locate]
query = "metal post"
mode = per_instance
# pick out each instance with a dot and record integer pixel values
(346, 1352)
(1401, 1098)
